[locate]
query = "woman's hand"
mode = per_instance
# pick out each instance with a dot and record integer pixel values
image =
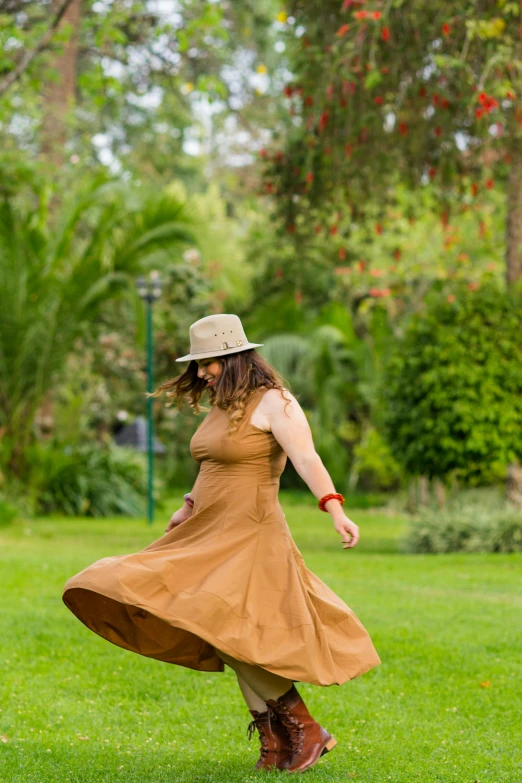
(179, 516)
(347, 529)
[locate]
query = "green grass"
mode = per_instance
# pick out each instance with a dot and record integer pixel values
(75, 708)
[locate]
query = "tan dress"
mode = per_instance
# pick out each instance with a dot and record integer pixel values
(230, 576)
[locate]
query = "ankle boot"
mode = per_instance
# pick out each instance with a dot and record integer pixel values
(308, 740)
(275, 744)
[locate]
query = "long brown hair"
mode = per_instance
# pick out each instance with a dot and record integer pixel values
(242, 373)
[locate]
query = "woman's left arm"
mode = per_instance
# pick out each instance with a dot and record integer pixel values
(290, 428)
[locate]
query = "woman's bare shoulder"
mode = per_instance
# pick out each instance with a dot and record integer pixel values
(275, 401)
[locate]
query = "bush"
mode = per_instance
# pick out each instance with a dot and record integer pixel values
(89, 480)
(376, 467)
(8, 512)
(452, 388)
(465, 528)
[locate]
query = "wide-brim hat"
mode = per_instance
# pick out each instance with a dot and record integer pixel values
(217, 335)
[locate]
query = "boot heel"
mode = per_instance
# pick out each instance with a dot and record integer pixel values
(332, 742)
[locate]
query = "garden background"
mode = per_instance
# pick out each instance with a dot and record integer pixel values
(347, 178)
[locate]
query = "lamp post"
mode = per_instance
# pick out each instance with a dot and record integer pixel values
(150, 291)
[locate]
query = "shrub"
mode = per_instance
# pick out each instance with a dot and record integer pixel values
(8, 512)
(465, 528)
(89, 480)
(376, 467)
(452, 389)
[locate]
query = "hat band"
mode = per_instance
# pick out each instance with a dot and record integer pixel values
(222, 347)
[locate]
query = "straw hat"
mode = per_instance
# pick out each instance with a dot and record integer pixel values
(217, 335)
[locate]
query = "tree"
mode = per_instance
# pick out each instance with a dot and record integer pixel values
(452, 389)
(414, 93)
(55, 278)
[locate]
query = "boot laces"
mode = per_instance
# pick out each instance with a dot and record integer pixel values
(294, 728)
(257, 723)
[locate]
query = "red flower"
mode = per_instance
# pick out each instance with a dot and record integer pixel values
(308, 101)
(479, 113)
(446, 29)
(342, 253)
(451, 297)
(263, 153)
(378, 100)
(269, 187)
(288, 90)
(445, 103)
(310, 177)
(437, 131)
(361, 14)
(422, 92)
(342, 30)
(330, 91)
(473, 286)
(403, 128)
(435, 99)
(396, 254)
(376, 15)
(482, 98)
(378, 228)
(323, 121)
(510, 95)
(474, 188)
(489, 183)
(432, 172)
(385, 33)
(333, 230)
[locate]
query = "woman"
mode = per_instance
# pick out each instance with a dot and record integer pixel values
(226, 584)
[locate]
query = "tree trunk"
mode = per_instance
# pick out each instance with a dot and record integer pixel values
(440, 493)
(59, 95)
(424, 491)
(514, 484)
(514, 217)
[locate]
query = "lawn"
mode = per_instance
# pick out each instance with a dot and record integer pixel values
(445, 705)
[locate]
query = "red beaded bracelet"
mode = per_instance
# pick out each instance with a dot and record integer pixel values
(326, 498)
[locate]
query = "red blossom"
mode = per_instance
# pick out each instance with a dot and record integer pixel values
(333, 230)
(474, 188)
(308, 101)
(378, 100)
(446, 29)
(323, 121)
(342, 253)
(397, 255)
(451, 297)
(310, 177)
(435, 99)
(403, 128)
(432, 172)
(437, 131)
(361, 14)
(342, 30)
(479, 113)
(385, 33)
(510, 95)
(378, 228)
(445, 103)
(288, 90)
(376, 15)
(489, 183)
(473, 286)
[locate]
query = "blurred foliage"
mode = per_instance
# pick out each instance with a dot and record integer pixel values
(465, 527)
(87, 480)
(452, 388)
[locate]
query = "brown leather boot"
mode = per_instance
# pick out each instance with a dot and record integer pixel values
(275, 744)
(308, 740)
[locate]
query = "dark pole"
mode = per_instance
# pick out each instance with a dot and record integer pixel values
(150, 291)
(150, 420)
